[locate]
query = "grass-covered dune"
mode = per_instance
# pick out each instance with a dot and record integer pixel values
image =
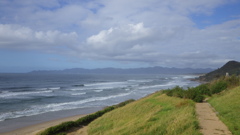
(227, 104)
(154, 114)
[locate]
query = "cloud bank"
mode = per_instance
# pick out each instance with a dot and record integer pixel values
(159, 33)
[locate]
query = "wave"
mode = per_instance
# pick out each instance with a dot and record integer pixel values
(163, 86)
(39, 109)
(190, 76)
(51, 88)
(76, 94)
(8, 94)
(140, 81)
(42, 89)
(76, 89)
(54, 88)
(105, 84)
(15, 88)
(98, 90)
(78, 85)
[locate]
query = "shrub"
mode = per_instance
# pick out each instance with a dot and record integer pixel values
(89, 118)
(198, 98)
(175, 92)
(196, 94)
(203, 89)
(218, 86)
(59, 128)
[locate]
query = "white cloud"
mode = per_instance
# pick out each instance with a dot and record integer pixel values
(113, 36)
(154, 32)
(19, 37)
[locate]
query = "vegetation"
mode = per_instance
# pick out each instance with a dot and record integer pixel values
(198, 93)
(161, 114)
(231, 67)
(61, 129)
(227, 106)
(155, 114)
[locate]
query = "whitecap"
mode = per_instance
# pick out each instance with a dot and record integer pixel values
(75, 94)
(98, 90)
(16, 94)
(54, 88)
(140, 81)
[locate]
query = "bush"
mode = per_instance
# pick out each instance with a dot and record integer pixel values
(198, 98)
(218, 87)
(175, 92)
(59, 128)
(196, 94)
(203, 89)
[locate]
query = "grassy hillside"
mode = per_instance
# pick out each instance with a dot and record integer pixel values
(227, 104)
(65, 127)
(155, 114)
(231, 67)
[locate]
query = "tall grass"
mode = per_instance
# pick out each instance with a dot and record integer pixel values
(155, 114)
(64, 127)
(227, 104)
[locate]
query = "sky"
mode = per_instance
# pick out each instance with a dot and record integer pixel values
(62, 34)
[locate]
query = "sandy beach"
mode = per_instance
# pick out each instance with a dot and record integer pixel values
(32, 130)
(33, 124)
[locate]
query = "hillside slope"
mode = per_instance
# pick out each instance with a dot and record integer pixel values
(227, 104)
(231, 67)
(155, 114)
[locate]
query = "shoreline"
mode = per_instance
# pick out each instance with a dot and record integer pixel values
(34, 129)
(33, 124)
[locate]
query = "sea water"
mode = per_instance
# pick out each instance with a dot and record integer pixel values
(25, 95)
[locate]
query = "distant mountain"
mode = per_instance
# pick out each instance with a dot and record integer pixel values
(149, 70)
(231, 67)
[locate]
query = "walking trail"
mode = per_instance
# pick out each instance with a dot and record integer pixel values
(209, 122)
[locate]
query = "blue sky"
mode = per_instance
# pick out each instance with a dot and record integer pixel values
(60, 34)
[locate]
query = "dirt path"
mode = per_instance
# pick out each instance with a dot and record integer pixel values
(209, 122)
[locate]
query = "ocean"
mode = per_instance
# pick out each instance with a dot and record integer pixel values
(24, 96)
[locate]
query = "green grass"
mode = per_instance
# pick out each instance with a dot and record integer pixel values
(64, 127)
(155, 114)
(227, 104)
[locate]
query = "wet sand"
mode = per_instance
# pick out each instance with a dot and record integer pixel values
(34, 129)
